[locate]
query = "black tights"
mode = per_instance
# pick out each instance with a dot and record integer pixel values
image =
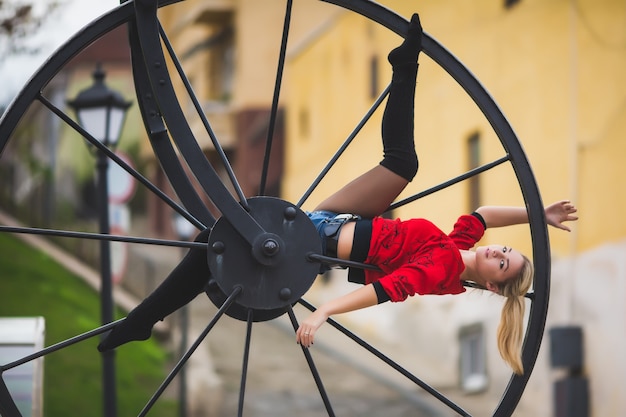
(398, 119)
(191, 276)
(181, 286)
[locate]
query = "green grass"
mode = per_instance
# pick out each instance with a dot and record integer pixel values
(33, 284)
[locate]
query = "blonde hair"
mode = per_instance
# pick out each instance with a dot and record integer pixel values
(510, 330)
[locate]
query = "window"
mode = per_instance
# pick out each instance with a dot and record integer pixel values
(473, 161)
(472, 358)
(510, 3)
(304, 123)
(373, 77)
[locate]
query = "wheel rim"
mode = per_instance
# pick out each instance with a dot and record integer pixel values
(145, 30)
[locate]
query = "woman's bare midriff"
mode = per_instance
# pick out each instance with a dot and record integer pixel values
(346, 237)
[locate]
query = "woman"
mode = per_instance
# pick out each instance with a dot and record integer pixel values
(414, 256)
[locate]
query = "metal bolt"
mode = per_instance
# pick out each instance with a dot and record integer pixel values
(270, 247)
(290, 213)
(285, 294)
(218, 247)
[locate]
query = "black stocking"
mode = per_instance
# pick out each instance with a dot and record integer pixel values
(398, 118)
(181, 286)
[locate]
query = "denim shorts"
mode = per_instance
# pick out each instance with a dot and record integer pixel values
(320, 218)
(328, 224)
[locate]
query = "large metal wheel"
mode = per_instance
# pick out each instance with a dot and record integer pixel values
(254, 285)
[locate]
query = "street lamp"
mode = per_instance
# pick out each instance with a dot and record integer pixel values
(101, 112)
(185, 231)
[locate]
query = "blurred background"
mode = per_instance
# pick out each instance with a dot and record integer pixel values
(557, 70)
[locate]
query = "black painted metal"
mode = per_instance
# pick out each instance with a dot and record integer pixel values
(265, 271)
(149, 37)
(344, 146)
(312, 367)
(236, 310)
(145, 44)
(98, 236)
(449, 183)
(277, 85)
(110, 155)
(244, 365)
(160, 140)
(216, 144)
(391, 363)
(8, 407)
(54, 64)
(61, 345)
(218, 315)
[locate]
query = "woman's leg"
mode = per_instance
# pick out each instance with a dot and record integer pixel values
(181, 286)
(371, 193)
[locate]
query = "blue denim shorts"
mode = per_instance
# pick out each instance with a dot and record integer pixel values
(320, 218)
(328, 224)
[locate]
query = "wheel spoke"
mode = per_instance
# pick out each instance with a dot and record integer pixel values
(101, 237)
(159, 139)
(218, 147)
(277, 85)
(328, 260)
(61, 345)
(159, 107)
(111, 155)
(229, 301)
(390, 362)
(8, 408)
(314, 372)
(344, 146)
(449, 183)
(232, 210)
(244, 366)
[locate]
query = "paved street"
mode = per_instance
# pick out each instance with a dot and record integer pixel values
(279, 382)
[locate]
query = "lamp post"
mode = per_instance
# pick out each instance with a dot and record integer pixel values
(102, 112)
(184, 231)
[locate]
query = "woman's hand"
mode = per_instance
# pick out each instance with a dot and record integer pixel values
(560, 212)
(363, 297)
(306, 332)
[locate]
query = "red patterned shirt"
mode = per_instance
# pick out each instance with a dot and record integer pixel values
(416, 257)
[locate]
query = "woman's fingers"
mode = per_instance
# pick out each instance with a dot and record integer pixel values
(304, 336)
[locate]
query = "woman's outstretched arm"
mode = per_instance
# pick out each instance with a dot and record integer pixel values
(556, 214)
(361, 298)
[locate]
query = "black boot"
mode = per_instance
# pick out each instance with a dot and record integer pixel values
(181, 286)
(398, 118)
(408, 52)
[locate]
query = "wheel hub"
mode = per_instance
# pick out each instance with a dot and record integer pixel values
(273, 272)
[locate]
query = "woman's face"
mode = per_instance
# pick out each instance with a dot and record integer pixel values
(496, 264)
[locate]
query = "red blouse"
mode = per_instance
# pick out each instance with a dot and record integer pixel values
(416, 257)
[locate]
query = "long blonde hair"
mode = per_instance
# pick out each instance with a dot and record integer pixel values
(510, 330)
